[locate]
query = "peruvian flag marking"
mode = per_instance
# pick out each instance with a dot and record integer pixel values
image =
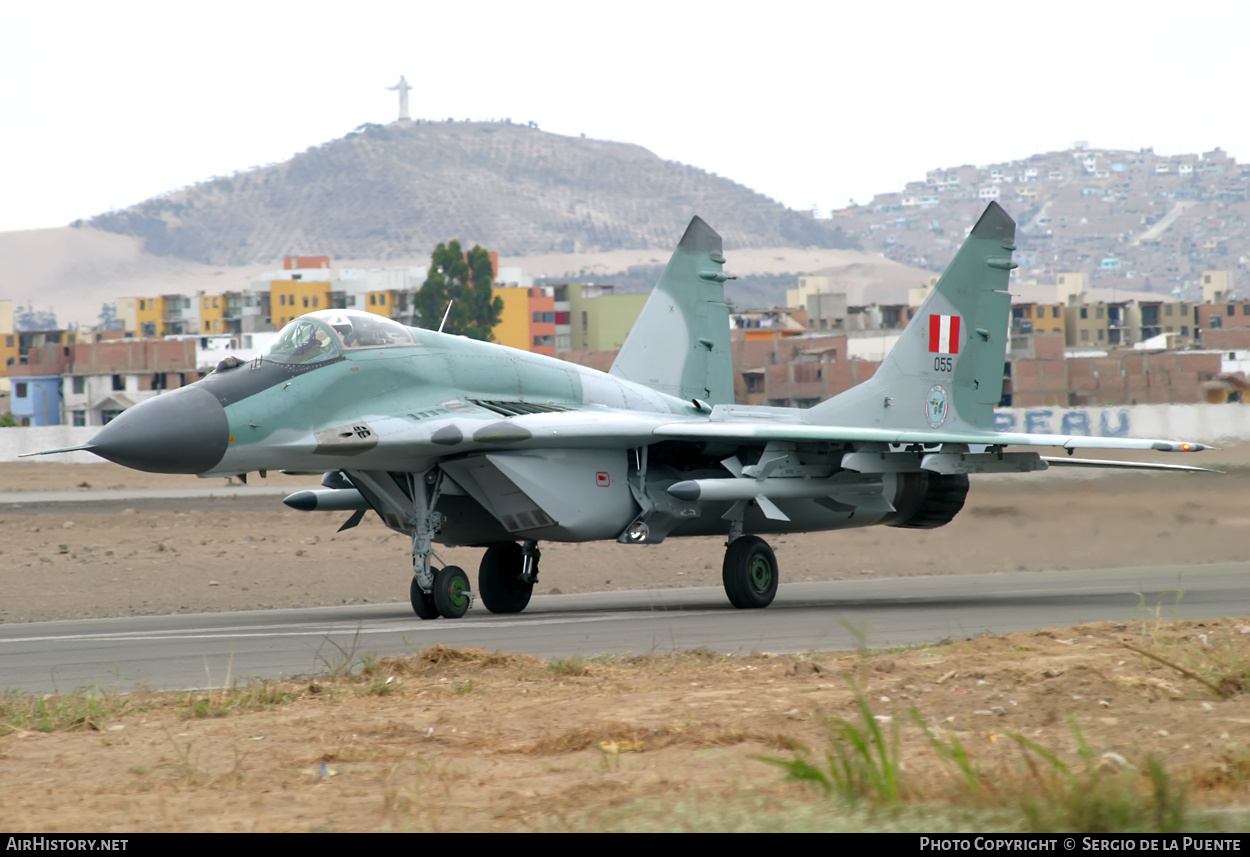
(944, 334)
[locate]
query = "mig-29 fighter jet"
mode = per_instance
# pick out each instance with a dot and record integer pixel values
(458, 442)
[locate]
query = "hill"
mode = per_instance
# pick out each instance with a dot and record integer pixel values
(1136, 220)
(72, 271)
(395, 191)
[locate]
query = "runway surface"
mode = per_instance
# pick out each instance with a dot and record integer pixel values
(203, 650)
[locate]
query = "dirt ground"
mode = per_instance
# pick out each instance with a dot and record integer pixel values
(451, 741)
(479, 741)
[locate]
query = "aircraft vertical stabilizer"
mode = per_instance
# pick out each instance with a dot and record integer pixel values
(946, 371)
(680, 343)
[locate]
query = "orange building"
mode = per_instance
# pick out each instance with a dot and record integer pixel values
(528, 320)
(300, 263)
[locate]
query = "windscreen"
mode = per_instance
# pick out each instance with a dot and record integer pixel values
(302, 342)
(366, 330)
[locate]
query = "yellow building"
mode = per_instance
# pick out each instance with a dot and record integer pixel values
(142, 317)
(513, 329)
(1045, 318)
(381, 303)
(289, 299)
(8, 343)
(528, 320)
(212, 313)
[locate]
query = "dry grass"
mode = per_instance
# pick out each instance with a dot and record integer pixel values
(1063, 729)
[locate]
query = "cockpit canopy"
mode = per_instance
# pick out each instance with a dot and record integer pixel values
(302, 342)
(358, 329)
(321, 336)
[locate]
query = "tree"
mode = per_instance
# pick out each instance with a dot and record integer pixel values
(466, 279)
(108, 320)
(29, 318)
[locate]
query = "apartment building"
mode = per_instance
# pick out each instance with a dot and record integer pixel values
(593, 317)
(90, 383)
(8, 344)
(528, 320)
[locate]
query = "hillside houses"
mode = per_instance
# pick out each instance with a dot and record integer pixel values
(1137, 221)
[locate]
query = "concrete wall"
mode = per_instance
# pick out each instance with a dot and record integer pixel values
(1214, 424)
(18, 441)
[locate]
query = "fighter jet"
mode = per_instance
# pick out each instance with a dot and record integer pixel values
(451, 441)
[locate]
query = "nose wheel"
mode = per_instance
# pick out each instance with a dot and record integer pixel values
(422, 602)
(450, 597)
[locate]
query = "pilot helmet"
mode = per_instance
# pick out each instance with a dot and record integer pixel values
(342, 324)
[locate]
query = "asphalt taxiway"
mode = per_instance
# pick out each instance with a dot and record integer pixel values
(201, 650)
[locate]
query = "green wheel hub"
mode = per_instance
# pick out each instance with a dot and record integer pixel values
(452, 594)
(760, 574)
(457, 591)
(750, 573)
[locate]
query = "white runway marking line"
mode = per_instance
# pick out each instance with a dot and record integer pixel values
(263, 631)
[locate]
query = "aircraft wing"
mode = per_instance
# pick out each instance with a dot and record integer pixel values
(962, 462)
(800, 433)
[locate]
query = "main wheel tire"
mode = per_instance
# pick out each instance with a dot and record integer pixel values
(451, 592)
(499, 581)
(422, 603)
(750, 573)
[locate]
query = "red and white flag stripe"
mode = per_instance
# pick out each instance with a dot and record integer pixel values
(944, 334)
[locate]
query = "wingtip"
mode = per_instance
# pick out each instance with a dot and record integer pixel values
(1180, 446)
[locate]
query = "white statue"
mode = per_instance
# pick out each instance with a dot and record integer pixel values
(403, 87)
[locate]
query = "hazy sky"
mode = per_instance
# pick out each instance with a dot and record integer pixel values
(103, 105)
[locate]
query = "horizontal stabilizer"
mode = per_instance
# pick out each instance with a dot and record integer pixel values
(1055, 461)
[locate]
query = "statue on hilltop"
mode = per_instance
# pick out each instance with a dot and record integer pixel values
(402, 87)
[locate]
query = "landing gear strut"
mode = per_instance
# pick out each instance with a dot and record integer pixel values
(434, 592)
(505, 579)
(750, 572)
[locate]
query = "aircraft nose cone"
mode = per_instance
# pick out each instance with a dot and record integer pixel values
(182, 431)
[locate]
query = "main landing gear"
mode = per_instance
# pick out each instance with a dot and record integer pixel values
(506, 577)
(749, 572)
